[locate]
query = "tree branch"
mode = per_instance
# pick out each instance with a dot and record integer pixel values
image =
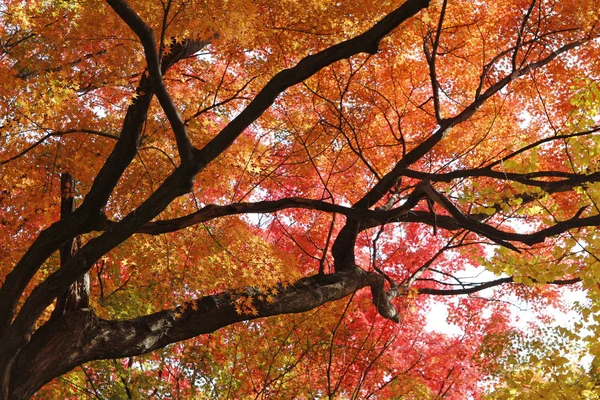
(97, 338)
(53, 134)
(146, 36)
(487, 285)
(367, 42)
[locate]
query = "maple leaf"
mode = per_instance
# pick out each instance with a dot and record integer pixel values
(311, 172)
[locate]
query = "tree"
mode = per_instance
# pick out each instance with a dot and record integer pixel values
(172, 168)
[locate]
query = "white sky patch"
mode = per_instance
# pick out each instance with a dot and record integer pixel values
(437, 321)
(100, 111)
(525, 119)
(522, 315)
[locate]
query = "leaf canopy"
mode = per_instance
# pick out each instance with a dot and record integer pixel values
(173, 171)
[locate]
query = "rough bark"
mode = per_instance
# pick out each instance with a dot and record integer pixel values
(78, 337)
(81, 336)
(77, 296)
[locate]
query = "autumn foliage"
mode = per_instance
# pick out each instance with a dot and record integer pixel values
(172, 172)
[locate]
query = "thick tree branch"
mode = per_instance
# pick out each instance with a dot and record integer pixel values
(212, 211)
(367, 219)
(146, 36)
(367, 42)
(86, 337)
(97, 338)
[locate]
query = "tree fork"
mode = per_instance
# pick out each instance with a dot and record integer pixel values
(77, 296)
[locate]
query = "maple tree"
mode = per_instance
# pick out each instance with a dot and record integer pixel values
(171, 168)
